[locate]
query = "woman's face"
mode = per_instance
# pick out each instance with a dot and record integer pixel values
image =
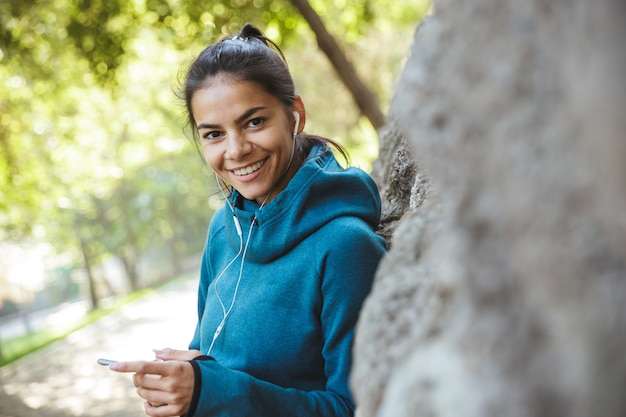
(246, 136)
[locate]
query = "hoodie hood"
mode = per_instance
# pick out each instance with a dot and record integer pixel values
(320, 191)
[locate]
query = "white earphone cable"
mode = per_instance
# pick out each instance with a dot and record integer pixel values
(232, 303)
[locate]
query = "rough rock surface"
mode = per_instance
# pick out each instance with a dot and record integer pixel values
(504, 291)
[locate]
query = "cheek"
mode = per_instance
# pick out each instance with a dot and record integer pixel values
(211, 157)
(283, 141)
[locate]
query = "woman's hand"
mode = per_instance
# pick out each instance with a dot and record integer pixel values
(168, 354)
(167, 385)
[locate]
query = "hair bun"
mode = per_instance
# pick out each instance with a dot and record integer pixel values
(250, 31)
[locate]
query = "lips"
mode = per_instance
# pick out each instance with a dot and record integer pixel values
(249, 169)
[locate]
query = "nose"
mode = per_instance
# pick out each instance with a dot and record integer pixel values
(237, 146)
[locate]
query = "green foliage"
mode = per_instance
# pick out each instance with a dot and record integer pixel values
(91, 148)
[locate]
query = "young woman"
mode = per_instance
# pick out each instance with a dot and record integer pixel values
(288, 261)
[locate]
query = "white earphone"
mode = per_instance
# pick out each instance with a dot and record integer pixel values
(295, 129)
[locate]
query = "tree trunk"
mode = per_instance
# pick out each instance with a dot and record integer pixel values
(107, 283)
(93, 296)
(171, 243)
(363, 96)
(504, 292)
(130, 267)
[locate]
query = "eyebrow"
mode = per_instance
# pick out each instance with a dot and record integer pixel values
(238, 120)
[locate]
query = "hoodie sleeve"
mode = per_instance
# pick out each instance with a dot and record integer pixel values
(223, 392)
(202, 292)
(346, 257)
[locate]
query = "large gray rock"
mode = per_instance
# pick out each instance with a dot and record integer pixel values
(504, 291)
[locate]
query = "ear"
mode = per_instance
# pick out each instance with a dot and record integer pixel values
(298, 106)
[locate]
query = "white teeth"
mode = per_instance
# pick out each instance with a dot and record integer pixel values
(249, 169)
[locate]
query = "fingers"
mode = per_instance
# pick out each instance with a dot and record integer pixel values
(154, 374)
(166, 410)
(167, 386)
(166, 398)
(172, 377)
(154, 398)
(168, 354)
(149, 381)
(158, 397)
(141, 367)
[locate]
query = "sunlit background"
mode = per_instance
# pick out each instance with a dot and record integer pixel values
(102, 192)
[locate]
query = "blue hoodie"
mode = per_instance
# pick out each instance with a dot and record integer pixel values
(309, 260)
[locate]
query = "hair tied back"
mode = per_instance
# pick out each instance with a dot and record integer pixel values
(249, 32)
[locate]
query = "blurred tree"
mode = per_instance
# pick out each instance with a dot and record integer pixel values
(366, 101)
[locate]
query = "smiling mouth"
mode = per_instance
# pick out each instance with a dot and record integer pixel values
(249, 169)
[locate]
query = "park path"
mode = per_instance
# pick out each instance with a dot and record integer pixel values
(63, 379)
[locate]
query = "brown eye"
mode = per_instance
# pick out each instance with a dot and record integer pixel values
(212, 135)
(256, 122)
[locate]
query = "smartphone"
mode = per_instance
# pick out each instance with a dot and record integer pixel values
(106, 362)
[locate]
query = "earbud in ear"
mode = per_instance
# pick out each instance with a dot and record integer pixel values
(296, 115)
